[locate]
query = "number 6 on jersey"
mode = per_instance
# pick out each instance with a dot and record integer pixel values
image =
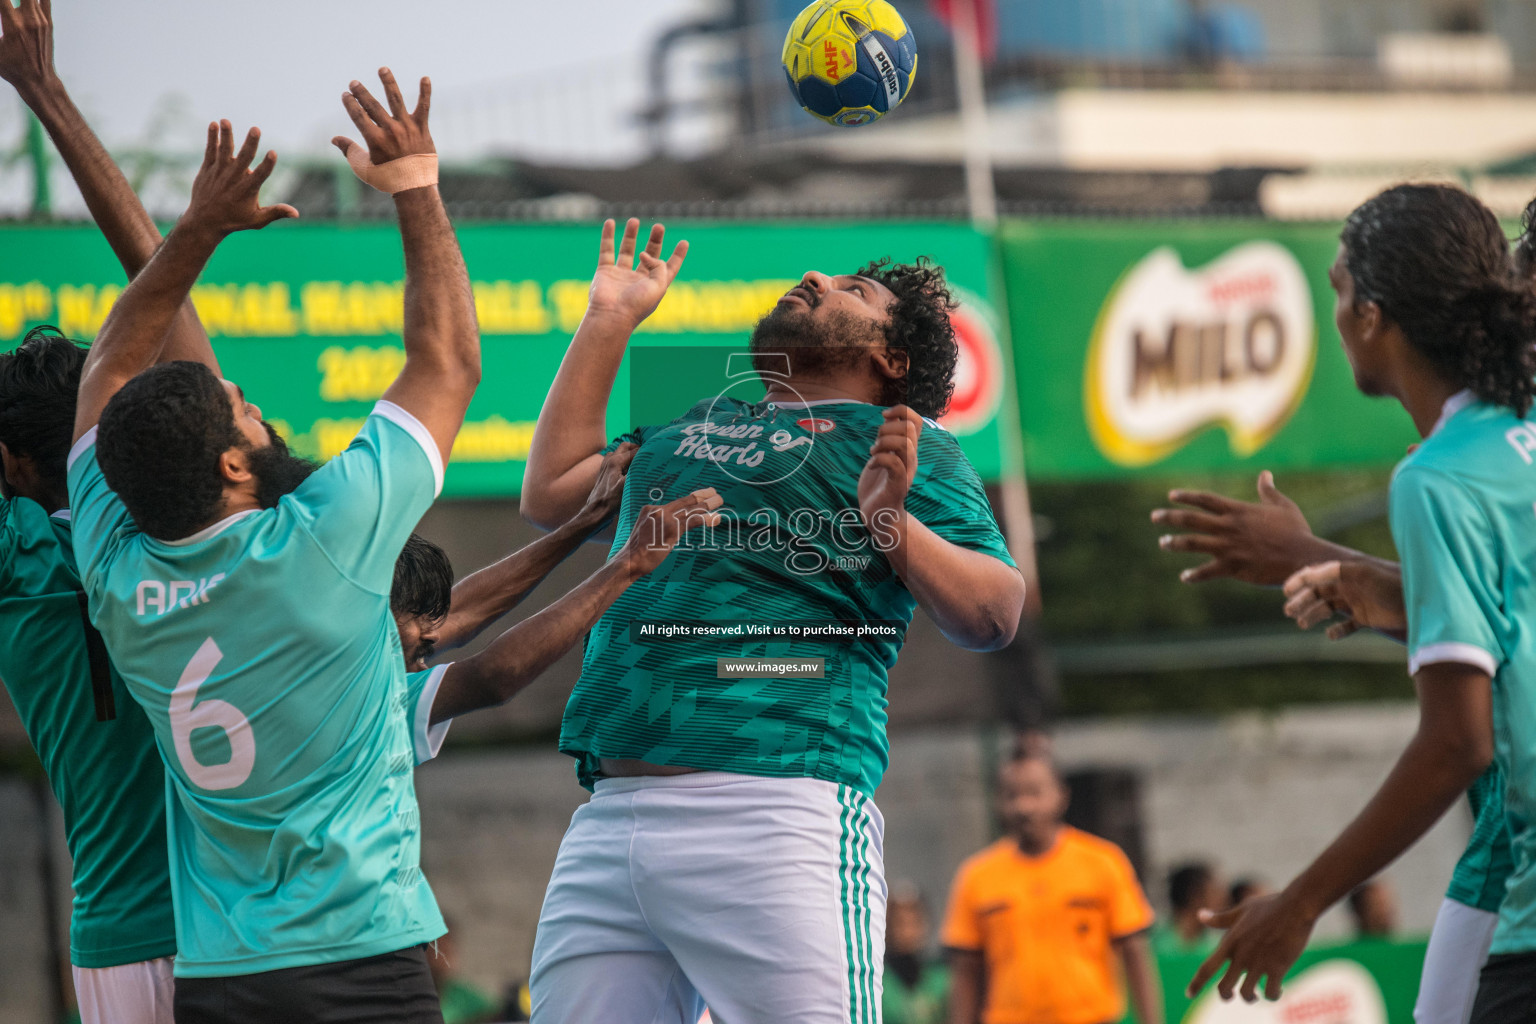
(210, 714)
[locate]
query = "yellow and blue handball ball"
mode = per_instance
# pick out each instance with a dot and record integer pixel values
(850, 62)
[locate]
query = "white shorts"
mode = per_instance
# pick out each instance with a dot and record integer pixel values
(1458, 948)
(140, 993)
(761, 898)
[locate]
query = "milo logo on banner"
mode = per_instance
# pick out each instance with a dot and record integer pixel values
(1176, 350)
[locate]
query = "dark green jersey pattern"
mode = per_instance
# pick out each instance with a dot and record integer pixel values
(107, 775)
(792, 547)
(1485, 866)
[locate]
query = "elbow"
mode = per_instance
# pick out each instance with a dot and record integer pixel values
(1478, 756)
(1000, 617)
(991, 634)
(535, 506)
(465, 372)
(1466, 753)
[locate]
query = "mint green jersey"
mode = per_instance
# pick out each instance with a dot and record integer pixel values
(420, 691)
(106, 774)
(791, 547)
(1485, 866)
(263, 651)
(1463, 509)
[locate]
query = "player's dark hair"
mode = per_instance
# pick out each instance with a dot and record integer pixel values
(1243, 890)
(423, 585)
(1358, 895)
(38, 382)
(159, 444)
(1523, 254)
(1436, 261)
(1185, 883)
(919, 327)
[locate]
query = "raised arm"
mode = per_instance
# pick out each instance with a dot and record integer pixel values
(441, 335)
(522, 653)
(481, 598)
(26, 61)
(975, 599)
(224, 200)
(563, 459)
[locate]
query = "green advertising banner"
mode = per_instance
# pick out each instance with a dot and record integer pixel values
(307, 318)
(1368, 982)
(1167, 346)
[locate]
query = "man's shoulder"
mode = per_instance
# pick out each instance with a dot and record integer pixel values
(1091, 849)
(990, 859)
(1482, 441)
(29, 534)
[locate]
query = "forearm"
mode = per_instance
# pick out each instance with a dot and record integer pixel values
(481, 598)
(974, 598)
(1141, 980)
(522, 653)
(116, 209)
(124, 222)
(133, 335)
(440, 326)
(965, 995)
(1429, 777)
(572, 430)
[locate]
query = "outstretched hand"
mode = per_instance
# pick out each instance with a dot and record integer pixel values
(26, 44)
(1264, 937)
(1368, 594)
(658, 528)
(388, 134)
(623, 288)
(226, 189)
(1259, 542)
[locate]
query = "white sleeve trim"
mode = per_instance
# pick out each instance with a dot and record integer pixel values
(425, 737)
(423, 437)
(80, 448)
(1459, 653)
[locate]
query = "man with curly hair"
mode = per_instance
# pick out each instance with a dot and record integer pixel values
(731, 852)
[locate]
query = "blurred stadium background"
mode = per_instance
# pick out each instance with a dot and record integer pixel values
(1195, 723)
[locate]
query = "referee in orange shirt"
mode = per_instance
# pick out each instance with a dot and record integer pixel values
(1044, 923)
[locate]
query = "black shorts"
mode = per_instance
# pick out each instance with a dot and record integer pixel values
(392, 988)
(1506, 991)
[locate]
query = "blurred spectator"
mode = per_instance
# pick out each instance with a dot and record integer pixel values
(1247, 888)
(1192, 887)
(1374, 908)
(1042, 923)
(916, 985)
(463, 1001)
(1031, 743)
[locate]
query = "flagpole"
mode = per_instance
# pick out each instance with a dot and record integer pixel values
(981, 195)
(979, 188)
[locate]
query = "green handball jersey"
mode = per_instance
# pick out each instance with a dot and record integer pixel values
(264, 653)
(1463, 509)
(107, 774)
(1485, 866)
(791, 548)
